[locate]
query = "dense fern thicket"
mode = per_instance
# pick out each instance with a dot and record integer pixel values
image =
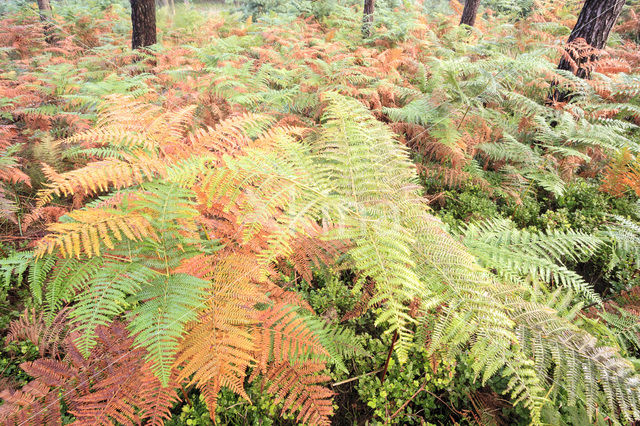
(267, 219)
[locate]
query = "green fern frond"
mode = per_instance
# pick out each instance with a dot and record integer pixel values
(13, 268)
(69, 276)
(105, 297)
(498, 245)
(165, 305)
(573, 360)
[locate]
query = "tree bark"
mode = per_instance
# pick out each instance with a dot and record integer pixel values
(469, 12)
(44, 10)
(143, 20)
(367, 17)
(595, 22)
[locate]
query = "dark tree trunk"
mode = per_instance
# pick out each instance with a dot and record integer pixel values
(595, 22)
(143, 19)
(469, 12)
(44, 9)
(367, 17)
(596, 19)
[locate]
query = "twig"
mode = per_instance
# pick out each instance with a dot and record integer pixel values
(356, 378)
(402, 407)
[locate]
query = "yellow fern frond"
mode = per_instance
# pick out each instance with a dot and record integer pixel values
(100, 176)
(90, 229)
(219, 347)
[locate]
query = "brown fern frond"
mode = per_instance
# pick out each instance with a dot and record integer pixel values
(581, 57)
(300, 390)
(33, 327)
(113, 385)
(310, 250)
(33, 404)
(120, 380)
(49, 371)
(368, 291)
(48, 214)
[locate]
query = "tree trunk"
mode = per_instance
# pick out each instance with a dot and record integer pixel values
(44, 9)
(367, 17)
(469, 12)
(595, 22)
(143, 19)
(596, 19)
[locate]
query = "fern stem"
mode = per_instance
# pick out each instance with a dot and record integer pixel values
(186, 395)
(19, 204)
(386, 363)
(463, 117)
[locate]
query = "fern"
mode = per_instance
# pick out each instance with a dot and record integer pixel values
(14, 267)
(46, 335)
(573, 358)
(625, 237)
(104, 298)
(90, 229)
(300, 389)
(191, 274)
(624, 326)
(122, 388)
(516, 253)
(158, 323)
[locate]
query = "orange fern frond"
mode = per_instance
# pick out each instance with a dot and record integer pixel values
(618, 174)
(229, 136)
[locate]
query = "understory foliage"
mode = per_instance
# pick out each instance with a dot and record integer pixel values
(176, 202)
